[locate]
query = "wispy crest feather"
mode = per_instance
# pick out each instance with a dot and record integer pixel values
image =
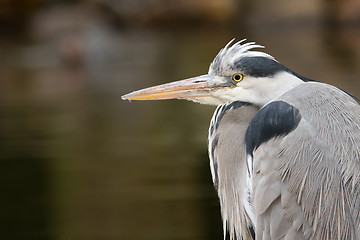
(227, 56)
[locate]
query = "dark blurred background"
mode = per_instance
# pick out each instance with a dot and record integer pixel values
(77, 162)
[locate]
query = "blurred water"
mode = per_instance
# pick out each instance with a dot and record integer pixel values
(80, 163)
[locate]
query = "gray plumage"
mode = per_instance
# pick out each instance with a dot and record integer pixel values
(227, 152)
(284, 150)
(305, 185)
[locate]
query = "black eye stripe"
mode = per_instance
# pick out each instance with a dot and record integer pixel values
(259, 66)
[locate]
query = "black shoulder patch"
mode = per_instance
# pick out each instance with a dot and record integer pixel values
(275, 119)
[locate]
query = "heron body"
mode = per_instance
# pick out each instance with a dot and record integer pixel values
(284, 151)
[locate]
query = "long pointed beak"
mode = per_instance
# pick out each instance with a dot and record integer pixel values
(200, 86)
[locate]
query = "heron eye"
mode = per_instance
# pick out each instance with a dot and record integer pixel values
(237, 77)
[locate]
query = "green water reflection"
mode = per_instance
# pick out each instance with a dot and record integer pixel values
(80, 163)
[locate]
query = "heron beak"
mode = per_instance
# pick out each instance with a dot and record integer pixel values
(195, 87)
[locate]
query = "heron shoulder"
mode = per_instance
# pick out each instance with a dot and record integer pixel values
(274, 119)
(326, 143)
(308, 94)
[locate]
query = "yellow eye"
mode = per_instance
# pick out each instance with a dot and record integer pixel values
(237, 77)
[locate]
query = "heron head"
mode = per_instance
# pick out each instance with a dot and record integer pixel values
(237, 73)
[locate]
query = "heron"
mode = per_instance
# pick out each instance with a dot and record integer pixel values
(284, 150)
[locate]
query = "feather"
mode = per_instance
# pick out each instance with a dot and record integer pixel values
(228, 125)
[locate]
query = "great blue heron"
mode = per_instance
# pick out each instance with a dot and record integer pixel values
(284, 150)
